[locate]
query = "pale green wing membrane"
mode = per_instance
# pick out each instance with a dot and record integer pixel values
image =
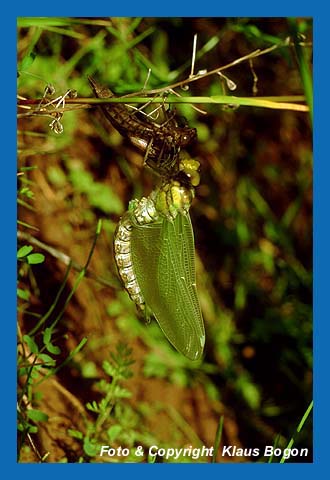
(164, 264)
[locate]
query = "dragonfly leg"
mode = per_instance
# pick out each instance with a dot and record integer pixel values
(148, 150)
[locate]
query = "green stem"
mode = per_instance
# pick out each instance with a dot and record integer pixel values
(299, 428)
(305, 73)
(218, 437)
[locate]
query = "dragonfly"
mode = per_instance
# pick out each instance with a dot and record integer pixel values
(154, 252)
(160, 142)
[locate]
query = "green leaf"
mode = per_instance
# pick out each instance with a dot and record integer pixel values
(47, 360)
(47, 336)
(113, 432)
(23, 251)
(23, 294)
(35, 258)
(37, 415)
(109, 369)
(54, 349)
(27, 427)
(93, 407)
(32, 346)
(91, 448)
(120, 392)
(75, 434)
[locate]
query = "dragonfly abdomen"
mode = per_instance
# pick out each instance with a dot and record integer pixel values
(123, 258)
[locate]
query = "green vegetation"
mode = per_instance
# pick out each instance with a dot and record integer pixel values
(90, 373)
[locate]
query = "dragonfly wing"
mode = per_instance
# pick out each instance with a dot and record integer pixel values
(164, 263)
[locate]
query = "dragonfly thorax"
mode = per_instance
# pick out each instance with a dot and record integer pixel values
(173, 198)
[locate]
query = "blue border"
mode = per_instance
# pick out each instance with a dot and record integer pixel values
(321, 240)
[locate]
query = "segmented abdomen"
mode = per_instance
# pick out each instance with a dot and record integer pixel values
(123, 258)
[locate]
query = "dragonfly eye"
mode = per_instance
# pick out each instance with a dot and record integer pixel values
(194, 178)
(189, 135)
(186, 138)
(191, 168)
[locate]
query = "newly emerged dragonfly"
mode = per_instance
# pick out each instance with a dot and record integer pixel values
(154, 252)
(160, 142)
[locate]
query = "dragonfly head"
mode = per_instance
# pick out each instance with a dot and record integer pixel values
(187, 135)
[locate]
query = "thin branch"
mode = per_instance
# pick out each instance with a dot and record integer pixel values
(198, 76)
(83, 103)
(193, 59)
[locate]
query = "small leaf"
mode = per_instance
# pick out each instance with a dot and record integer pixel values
(90, 448)
(23, 251)
(32, 346)
(35, 258)
(113, 432)
(37, 415)
(54, 349)
(34, 374)
(75, 434)
(27, 428)
(22, 371)
(23, 294)
(47, 360)
(109, 369)
(93, 407)
(120, 392)
(47, 335)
